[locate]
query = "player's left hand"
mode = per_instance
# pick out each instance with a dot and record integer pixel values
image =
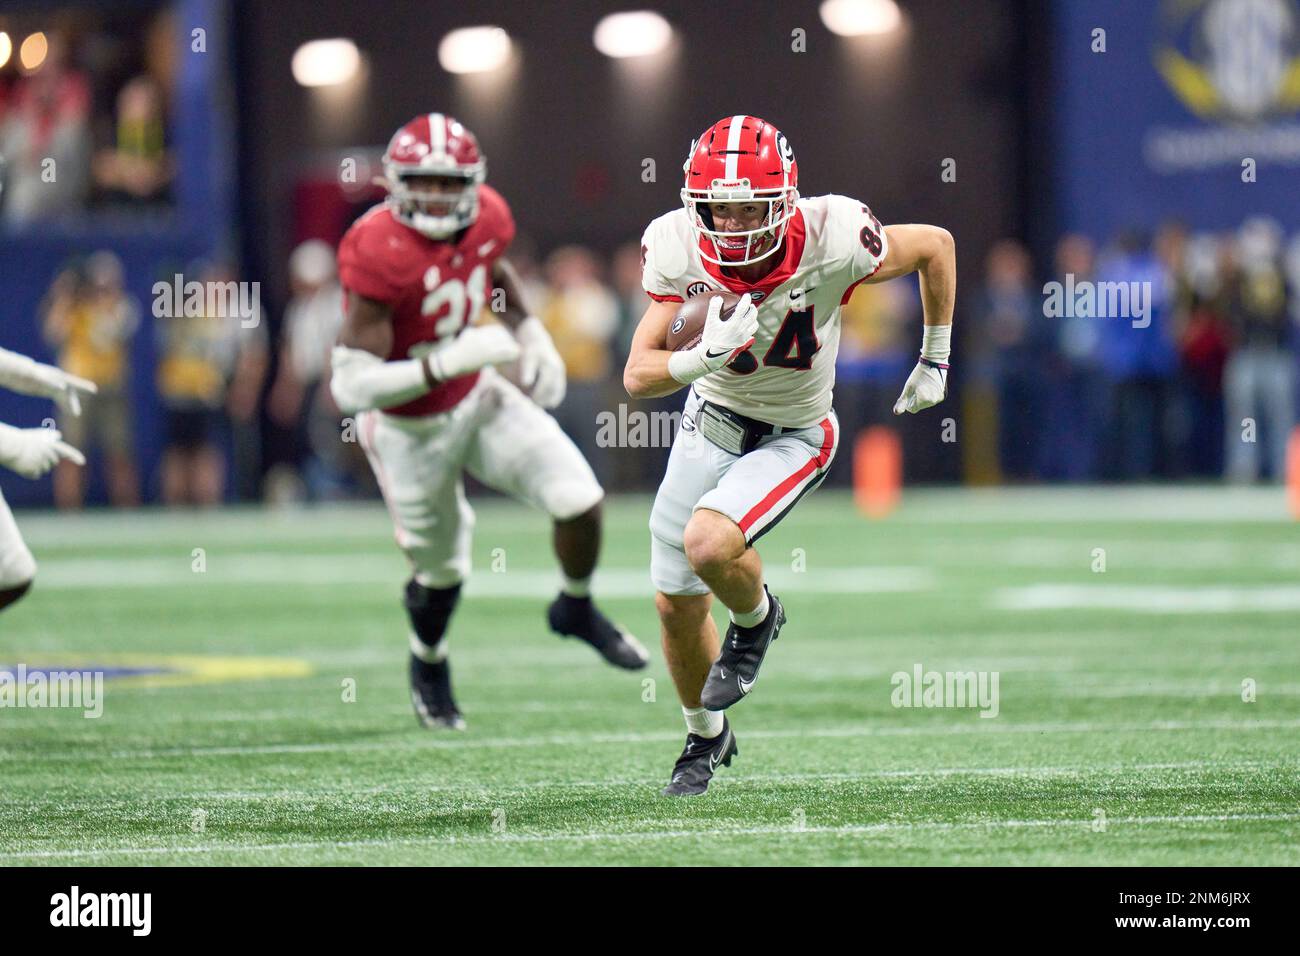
(541, 369)
(926, 386)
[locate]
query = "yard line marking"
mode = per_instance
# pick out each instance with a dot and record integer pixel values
(854, 829)
(67, 574)
(735, 778)
(856, 731)
(1143, 599)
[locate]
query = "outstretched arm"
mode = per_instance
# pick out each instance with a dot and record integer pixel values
(931, 252)
(362, 380)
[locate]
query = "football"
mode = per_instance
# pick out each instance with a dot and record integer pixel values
(688, 323)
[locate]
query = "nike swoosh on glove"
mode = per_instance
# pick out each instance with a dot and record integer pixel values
(722, 338)
(926, 386)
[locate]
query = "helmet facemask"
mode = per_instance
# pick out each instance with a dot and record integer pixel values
(748, 246)
(435, 213)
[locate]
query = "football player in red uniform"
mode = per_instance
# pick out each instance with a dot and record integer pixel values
(418, 373)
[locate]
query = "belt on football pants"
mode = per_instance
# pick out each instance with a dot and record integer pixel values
(734, 432)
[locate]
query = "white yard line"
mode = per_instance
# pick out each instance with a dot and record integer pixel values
(1149, 599)
(788, 830)
(303, 568)
(974, 725)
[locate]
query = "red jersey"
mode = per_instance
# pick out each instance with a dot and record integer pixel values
(435, 287)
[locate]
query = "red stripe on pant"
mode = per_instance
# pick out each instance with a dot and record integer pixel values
(784, 488)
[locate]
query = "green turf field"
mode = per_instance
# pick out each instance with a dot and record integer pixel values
(1121, 736)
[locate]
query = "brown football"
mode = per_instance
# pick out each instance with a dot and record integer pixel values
(688, 323)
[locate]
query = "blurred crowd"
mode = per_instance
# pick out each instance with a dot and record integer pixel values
(83, 120)
(1202, 386)
(1199, 382)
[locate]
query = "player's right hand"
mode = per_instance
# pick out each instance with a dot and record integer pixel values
(723, 339)
(475, 348)
(33, 451)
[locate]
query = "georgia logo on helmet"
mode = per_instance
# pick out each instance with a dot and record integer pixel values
(740, 159)
(433, 145)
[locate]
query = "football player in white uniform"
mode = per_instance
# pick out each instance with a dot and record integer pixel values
(758, 431)
(31, 452)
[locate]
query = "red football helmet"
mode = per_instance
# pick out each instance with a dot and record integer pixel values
(434, 145)
(741, 159)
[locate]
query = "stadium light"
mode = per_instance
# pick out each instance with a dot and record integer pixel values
(851, 18)
(32, 53)
(6, 48)
(474, 50)
(634, 33)
(326, 62)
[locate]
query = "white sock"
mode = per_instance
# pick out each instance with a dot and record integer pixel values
(430, 655)
(575, 587)
(703, 723)
(754, 617)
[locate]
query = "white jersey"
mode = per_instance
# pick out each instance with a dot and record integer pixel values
(785, 378)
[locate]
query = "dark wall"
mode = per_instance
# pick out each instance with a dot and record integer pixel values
(864, 119)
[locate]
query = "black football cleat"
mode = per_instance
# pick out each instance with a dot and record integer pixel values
(734, 672)
(435, 708)
(579, 617)
(702, 756)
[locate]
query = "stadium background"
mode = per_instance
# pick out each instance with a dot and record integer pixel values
(1144, 633)
(1047, 137)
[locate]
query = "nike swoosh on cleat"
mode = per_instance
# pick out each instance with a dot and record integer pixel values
(715, 758)
(745, 685)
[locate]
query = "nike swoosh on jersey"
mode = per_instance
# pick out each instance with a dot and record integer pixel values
(487, 247)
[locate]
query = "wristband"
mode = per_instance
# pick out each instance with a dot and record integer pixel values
(936, 342)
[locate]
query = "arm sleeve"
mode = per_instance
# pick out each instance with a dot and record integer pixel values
(856, 229)
(655, 283)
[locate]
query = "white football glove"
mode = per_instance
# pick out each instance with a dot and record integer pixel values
(926, 386)
(541, 369)
(475, 348)
(30, 377)
(33, 451)
(722, 338)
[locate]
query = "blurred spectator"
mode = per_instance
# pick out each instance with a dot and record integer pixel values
(45, 138)
(1259, 379)
(625, 270)
(1203, 345)
(1139, 362)
(209, 363)
(300, 400)
(136, 168)
(1010, 313)
(582, 316)
(90, 320)
(1076, 407)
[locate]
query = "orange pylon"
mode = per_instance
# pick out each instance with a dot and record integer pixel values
(877, 471)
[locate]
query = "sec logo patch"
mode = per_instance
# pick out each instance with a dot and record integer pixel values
(695, 288)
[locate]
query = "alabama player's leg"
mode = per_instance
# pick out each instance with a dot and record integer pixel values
(759, 490)
(17, 566)
(520, 450)
(417, 464)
